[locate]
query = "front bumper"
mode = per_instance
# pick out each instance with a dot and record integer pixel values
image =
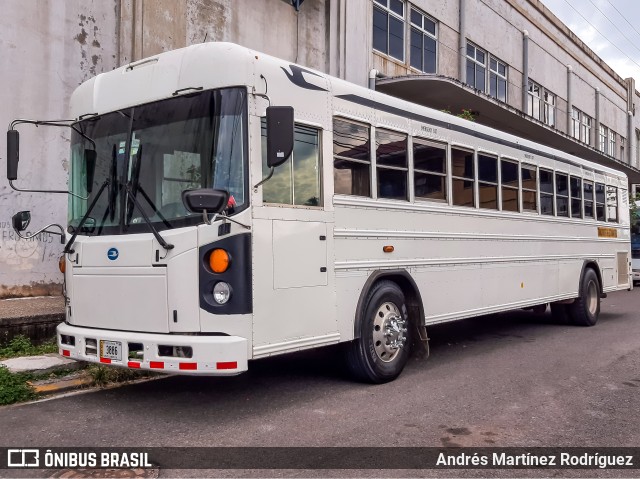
(212, 355)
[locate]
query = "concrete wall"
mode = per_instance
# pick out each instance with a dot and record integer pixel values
(47, 48)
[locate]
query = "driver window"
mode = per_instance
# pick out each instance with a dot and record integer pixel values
(297, 181)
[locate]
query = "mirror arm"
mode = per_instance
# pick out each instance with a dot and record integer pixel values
(228, 218)
(61, 233)
(46, 191)
(267, 178)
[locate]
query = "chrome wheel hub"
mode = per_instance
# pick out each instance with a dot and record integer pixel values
(389, 332)
(592, 297)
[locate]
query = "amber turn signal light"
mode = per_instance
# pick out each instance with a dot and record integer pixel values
(219, 261)
(388, 249)
(62, 264)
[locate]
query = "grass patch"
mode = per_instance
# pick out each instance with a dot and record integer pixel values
(14, 387)
(22, 346)
(103, 375)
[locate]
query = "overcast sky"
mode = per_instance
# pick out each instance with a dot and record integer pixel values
(611, 28)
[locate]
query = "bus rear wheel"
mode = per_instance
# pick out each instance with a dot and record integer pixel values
(585, 310)
(382, 350)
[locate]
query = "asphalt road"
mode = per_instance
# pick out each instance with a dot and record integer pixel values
(513, 379)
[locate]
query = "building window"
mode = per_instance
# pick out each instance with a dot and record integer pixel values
(476, 67)
(541, 104)
(488, 181)
(462, 172)
(388, 28)
(423, 42)
(477, 73)
(529, 188)
(611, 150)
(391, 165)
(612, 143)
(602, 144)
(581, 126)
(585, 128)
(429, 170)
(509, 181)
(351, 158)
(497, 79)
(622, 144)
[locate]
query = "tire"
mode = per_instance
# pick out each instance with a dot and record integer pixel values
(585, 310)
(375, 357)
(539, 309)
(560, 313)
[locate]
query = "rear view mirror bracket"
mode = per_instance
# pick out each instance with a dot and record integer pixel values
(21, 220)
(13, 147)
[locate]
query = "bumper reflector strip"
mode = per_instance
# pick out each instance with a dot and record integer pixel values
(156, 364)
(133, 365)
(66, 353)
(227, 365)
(105, 360)
(188, 366)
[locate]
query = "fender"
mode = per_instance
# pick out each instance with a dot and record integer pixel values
(400, 276)
(592, 263)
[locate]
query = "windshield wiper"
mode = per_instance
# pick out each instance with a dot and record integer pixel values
(67, 248)
(159, 238)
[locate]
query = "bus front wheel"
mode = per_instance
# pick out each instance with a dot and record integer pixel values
(382, 350)
(585, 310)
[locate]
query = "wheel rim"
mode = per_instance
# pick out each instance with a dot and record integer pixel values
(592, 298)
(389, 332)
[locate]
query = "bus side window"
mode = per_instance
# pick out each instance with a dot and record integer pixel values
(562, 194)
(600, 202)
(546, 192)
(612, 204)
(576, 196)
(297, 181)
(351, 158)
(529, 187)
(429, 170)
(462, 171)
(587, 187)
(391, 165)
(488, 181)
(509, 181)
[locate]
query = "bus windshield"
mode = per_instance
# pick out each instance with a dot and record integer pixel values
(157, 151)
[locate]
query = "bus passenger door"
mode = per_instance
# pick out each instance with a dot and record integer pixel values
(294, 291)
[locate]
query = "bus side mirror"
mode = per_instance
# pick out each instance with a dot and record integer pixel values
(13, 143)
(280, 131)
(90, 157)
(21, 220)
(205, 200)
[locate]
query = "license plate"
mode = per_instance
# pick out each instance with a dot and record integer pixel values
(111, 350)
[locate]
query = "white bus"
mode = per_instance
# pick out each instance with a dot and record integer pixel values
(186, 253)
(635, 243)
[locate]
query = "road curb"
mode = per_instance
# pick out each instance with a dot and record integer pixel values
(62, 384)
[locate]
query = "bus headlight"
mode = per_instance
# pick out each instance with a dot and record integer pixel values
(221, 292)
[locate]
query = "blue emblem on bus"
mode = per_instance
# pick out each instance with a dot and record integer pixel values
(112, 254)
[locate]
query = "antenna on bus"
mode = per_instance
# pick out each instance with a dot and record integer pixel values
(205, 37)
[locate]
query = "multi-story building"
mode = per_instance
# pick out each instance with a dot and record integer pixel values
(510, 64)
